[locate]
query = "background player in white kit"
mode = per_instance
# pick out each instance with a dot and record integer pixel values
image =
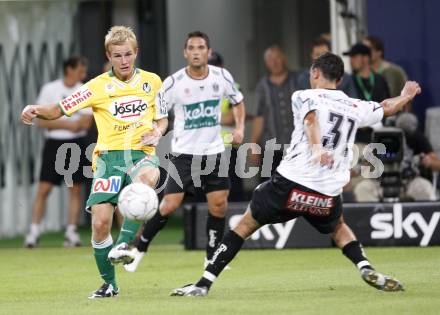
(195, 93)
(308, 182)
(58, 132)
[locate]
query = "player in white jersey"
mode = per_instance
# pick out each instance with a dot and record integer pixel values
(339, 117)
(310, 178)
(195, 94)
(197, 109)
(58, 133)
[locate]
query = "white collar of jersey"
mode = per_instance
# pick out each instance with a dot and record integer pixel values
(133, 81)
(196, 79)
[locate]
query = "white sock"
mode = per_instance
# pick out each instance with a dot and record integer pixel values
(209, 276)
(35, 229)
(71, 228)
(362, 264)
(103, 244)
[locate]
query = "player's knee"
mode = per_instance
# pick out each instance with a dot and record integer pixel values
(218, 208)
(339, 228)
(149, 176)
(168, 207)
(101, 226)
(245, 229)
(342, 234)
(146, 179)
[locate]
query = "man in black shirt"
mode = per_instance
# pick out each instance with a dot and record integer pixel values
(273, 123)
(319, 47)
(369, 85)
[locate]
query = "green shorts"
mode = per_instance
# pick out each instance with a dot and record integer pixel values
(114, 171)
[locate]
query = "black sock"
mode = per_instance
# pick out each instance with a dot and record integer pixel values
(215, 228)
(225, 252)
(355, 253)
(151, 228)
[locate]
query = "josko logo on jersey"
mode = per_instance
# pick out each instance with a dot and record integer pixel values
(128, 109)
(306, 202)
(203, 114)
(110, 185)
(76, 98)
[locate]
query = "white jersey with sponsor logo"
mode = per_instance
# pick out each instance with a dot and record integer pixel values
(197, 109)
(339, 117)
(52, 93)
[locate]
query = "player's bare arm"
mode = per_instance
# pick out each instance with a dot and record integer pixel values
(227, 119)
(84, 123)
(162, 125)
(431, 161)
(257, 131)
(47, 112)
(159, 128)
(393, 105)
(239, 116)
(311, 127)
(59, 124)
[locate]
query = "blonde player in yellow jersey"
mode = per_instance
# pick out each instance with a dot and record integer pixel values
(130, 119)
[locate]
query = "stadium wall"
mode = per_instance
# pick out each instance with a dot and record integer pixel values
(409, 31)
(375, 224)
(31, 54)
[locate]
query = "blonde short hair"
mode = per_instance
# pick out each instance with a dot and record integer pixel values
(118, 35)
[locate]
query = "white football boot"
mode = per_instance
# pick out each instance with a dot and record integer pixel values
(137, 257)
(120, 254)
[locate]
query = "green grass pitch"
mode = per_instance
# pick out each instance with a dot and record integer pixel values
(52, 280)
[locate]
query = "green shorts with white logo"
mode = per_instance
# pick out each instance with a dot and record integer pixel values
(114, 171)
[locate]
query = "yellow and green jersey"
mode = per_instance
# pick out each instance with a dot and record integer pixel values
(123, 111)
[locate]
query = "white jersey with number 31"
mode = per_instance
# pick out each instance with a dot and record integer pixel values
(339, 117)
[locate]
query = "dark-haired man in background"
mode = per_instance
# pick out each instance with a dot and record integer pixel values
(58, 132)
(273, 119)
(310, 178)
(319, 47)
(393, 74)
(369, 85)
(195, 93)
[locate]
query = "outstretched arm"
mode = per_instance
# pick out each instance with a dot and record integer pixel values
(47, 112)
(56, 124)
(84, 123)
(393, 105)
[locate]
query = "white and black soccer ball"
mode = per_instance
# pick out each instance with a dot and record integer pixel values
(138, 202)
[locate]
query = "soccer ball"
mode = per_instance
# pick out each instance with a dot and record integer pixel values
(138, 202)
